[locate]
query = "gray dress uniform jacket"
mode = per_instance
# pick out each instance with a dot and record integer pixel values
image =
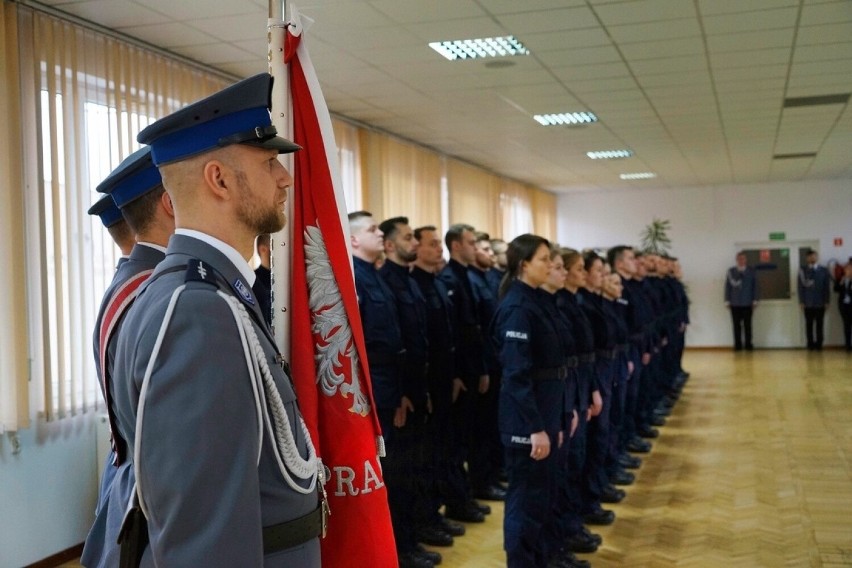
(206, 495)
(741, 287)
(101, 549)
(814, 287)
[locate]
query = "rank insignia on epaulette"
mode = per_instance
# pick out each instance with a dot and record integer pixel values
(243, 291)
(198, 271)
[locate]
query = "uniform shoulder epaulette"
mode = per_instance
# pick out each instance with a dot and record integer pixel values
(198, 271)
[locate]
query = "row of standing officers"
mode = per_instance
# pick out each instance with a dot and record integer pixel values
(531, 369)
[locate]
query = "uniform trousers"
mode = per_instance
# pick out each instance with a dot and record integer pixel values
(618, 414)
(741, 321)
(528, 508)
(814, 318)
(846, 315)
(485, 457)
(401, 474)
(595, 477)
(631, 404)
(462, 436)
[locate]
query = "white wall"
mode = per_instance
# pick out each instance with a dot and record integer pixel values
(707, 223)
(48, 490)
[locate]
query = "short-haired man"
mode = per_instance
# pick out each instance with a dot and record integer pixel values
(471, 368)
(219, 481)
(136, 189)
(741, 299)
(814, 290)
(110, 216)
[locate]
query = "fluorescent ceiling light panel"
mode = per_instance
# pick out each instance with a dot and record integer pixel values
(566, 118)
(609, 154)
(638, 175)
(479, 48)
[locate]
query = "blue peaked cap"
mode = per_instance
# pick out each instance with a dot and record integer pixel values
(238, 114)
(106, 209)
(135, 176)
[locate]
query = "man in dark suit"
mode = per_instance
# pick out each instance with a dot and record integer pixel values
(226, 472)
(814, 288)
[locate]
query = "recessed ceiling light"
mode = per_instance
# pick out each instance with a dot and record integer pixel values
(564, 118)
(479, 48)
(638, 175)
(609, 154)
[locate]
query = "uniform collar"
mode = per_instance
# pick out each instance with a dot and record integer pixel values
(230, 252)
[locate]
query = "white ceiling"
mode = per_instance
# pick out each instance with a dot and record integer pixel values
(695, 88)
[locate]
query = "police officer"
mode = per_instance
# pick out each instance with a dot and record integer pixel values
(843, 287)
(136, 188)
(220, 482)
(116, 226)
(400, 250)
(532, 406)
(470, 365)
(813, 288)
(386, 357)
(263, 282)
(448, 481)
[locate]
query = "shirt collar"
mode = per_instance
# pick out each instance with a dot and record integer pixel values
(162, 249)
(230, 252)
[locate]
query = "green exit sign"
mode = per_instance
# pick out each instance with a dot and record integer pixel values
(777, 236)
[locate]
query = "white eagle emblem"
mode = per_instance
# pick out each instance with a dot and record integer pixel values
(329, 322)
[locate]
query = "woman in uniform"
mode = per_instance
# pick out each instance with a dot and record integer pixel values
(531, 416)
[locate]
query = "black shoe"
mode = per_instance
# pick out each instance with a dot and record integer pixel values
(648, 432)
(492, 493)
(434, 557)
(662, 410)
(450, 527)
(599, 517)
(657, 420)
(594, 537)
(581, 543)
(477, 506)
(565, 559)
(629, 462)
(639, 446)
(738, 347)
(611, 494)
(434, 536)
(414, 560)
(622, 477)
(465, 515)
(749, 347)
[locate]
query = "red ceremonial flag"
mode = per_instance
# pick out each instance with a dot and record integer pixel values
(327, 349)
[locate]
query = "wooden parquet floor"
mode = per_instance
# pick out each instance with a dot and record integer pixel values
(753, 469)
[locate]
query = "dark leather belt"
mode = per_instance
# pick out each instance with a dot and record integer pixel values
(606, 353)
(587, 357)
(551, 374)
(292, 533)
(572, 362)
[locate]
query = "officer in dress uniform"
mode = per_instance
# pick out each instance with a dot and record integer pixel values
(532, 401)
(136, 188)
(814, 296)
(843, 287)
(741, 299)
(225, 469)
(116, 226)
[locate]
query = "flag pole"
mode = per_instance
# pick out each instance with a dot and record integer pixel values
(281, 255)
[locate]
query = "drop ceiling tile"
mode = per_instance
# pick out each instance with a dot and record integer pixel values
(190, 11)
(585, 72)
(235, 27)
(515, 7)
(652, 31)
(680, 78)
(826, 33)
(339, 16)
(828, 13)
(644, 11)
(580, 56)
(114, 13)
(452, 30)
(831, 52)
(737, 42)
(216, 53)
(562, 40)
(750, 58)
(169, 35)
(669, 65)
(712, 7)
(548, 20)
(415, 11)
(662, 49)
(751, 21)
(747, 73)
